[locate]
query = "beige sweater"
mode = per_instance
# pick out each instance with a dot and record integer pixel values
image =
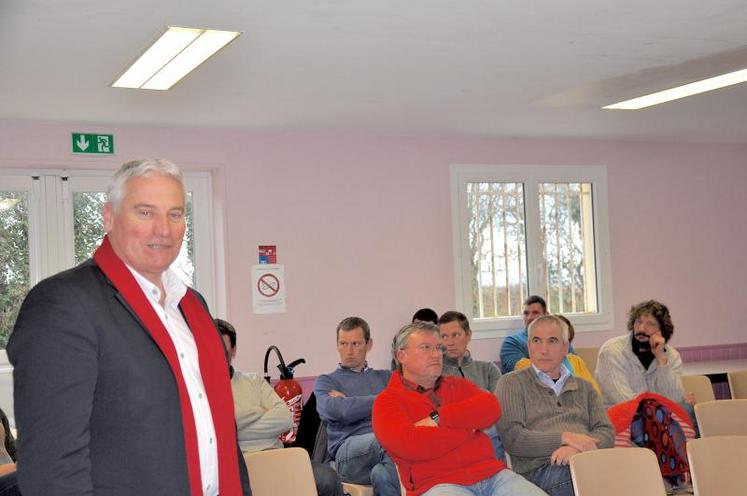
(533, 418)
(622, 377)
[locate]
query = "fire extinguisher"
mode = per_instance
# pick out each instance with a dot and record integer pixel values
(288, 389)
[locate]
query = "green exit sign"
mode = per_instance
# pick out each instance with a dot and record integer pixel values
(97, 144)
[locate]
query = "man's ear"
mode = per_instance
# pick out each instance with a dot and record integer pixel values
(107, 212)
(400, 353)
(369, 345)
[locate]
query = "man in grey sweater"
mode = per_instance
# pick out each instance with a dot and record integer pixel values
(456, 335)
(549, 414)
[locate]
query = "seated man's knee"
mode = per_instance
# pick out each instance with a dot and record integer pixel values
(384, 473)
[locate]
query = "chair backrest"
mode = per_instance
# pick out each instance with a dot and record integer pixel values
(357, 489)
(700, 385)
(717, 465)
(280, 471)
(738, 384)
(589, 356)
(617, 472)
(722, 417)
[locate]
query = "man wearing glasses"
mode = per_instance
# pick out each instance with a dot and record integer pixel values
(344, 401)
(432, 425)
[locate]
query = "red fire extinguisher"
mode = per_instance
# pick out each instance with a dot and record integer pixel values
(288, 389)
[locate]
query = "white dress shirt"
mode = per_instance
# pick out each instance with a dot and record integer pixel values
(555, 385)
(186, 350)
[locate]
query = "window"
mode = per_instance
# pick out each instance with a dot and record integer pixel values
(51, 221)
(522, 230)
(14, 253)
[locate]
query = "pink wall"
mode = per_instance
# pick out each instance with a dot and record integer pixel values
(363, 224)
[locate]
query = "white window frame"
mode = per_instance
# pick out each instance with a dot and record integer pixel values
(531, 176)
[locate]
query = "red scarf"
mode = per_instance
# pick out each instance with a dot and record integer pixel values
(213, 368)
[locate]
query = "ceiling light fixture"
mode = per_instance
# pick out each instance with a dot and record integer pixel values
(176, 53)
(683, 91)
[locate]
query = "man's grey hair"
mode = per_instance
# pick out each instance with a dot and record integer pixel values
(138, 168)
(403, 336)
(550, 319)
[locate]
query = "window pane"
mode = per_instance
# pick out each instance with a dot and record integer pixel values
(88, 226)
(567, 229)
(497, 243)
(14, 258)
(184, 265)
(88, 229)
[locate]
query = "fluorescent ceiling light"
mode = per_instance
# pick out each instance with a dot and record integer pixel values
(177, 52)
(683, 91)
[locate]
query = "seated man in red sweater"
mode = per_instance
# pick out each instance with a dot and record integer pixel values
(432, 425)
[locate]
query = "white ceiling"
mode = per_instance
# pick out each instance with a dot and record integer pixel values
(468, 67)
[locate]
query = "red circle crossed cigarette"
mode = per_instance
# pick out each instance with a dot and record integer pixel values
(268, 285)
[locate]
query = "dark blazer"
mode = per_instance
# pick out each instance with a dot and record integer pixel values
(96, 403)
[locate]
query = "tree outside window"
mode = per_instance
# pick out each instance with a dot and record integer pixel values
(522, 230)
(14, 258)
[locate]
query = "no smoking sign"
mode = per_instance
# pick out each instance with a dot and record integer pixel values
(268, 288)
(268, 285)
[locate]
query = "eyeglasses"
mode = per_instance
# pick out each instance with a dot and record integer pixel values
(428, 348)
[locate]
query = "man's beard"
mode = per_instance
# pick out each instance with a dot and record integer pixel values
(642, 346)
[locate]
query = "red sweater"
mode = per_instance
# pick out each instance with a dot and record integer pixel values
(455, 452)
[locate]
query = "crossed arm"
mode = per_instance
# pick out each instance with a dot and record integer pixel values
(416, 439)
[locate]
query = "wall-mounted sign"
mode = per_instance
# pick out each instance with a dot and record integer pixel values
(268, 254)
(96, 144)
(268, 288)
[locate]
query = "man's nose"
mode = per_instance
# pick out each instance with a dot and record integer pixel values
(161, 225)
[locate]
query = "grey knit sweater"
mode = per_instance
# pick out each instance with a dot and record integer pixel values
(533, 418)
(483, 374)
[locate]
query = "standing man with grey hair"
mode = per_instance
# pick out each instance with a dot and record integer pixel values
(120, 377)
(344, 399)
(549, 414)
(432, 425)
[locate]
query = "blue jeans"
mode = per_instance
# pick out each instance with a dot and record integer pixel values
(504, 483)
(362, 460)
(554, 479)
(495, 439)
